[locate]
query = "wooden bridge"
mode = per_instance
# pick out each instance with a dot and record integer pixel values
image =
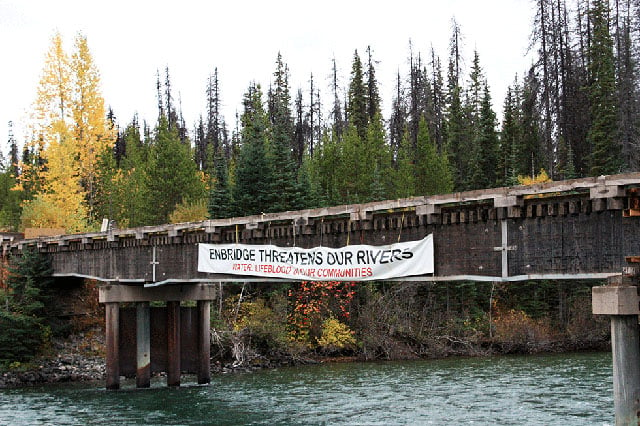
(576, 229)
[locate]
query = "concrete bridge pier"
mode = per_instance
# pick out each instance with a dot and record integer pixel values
(620, 301)
(133, 335)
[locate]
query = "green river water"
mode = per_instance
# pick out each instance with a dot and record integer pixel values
(566, 389)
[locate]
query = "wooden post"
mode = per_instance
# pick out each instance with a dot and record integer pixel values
(621, 303)
(204, 341)
(173, 342)
(112, 318)
(143, 345)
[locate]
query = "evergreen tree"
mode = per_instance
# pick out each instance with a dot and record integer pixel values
(405, 176)
(528, 153)
(605, 155)
(288, 191)
(373, 95)
(171, 176)
(25, 326)
(129, 183)
(253, 175)
(398, 119)
(510, 137)
(336, 111)
(220, 194)
(432, 171)
(14, 160)
(357, 113)
(457, 132)
(301, 131)
(485, 147)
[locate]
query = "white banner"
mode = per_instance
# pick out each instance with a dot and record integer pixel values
(350, 263)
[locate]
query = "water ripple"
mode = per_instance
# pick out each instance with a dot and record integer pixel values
(568, 389)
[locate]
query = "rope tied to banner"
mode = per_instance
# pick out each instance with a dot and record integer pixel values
(348, 232)
(293, 226)
(401, 223)
(236, 233)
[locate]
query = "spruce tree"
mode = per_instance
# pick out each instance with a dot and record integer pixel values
(605, 155)
(485, 146)
(432, 172)
(220, 194)
(281, 143)
(253, 179)
(357, 112)
(171, 176)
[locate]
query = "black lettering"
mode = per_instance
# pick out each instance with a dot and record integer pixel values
(407, 254)
(348, 258)
(396, 255)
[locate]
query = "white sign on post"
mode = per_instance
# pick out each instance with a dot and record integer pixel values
(350, 263)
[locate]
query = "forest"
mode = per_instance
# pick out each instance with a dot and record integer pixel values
(573, 113)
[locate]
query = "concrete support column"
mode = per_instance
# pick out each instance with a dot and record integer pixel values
(626, 368)
(204, 341)
(143, 345)
(621, 303)
(173, 342)
(112, 319)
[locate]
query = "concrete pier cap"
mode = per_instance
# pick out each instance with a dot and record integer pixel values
(614, 300)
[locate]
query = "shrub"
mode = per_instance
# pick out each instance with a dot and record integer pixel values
(336, 336)
(515, 331)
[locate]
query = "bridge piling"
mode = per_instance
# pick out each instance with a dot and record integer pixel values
(204, 342)
(173, 343)
(621, 303)
(143, 345)
(175, 356)
(112, 314)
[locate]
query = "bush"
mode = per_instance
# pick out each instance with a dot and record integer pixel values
(21, 336)
(336, 337)
(517, 332)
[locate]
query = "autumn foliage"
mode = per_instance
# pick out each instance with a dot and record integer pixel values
(313, 302)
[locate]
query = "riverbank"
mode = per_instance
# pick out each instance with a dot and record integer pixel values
(80, 357)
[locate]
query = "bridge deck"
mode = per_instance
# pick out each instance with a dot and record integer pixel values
(572, 229)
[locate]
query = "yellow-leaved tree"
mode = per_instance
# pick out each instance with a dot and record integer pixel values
(69, 130)
(92, 132)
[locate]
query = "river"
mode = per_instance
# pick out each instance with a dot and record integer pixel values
(565, 389)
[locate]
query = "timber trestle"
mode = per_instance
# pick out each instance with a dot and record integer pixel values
(142, 339)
